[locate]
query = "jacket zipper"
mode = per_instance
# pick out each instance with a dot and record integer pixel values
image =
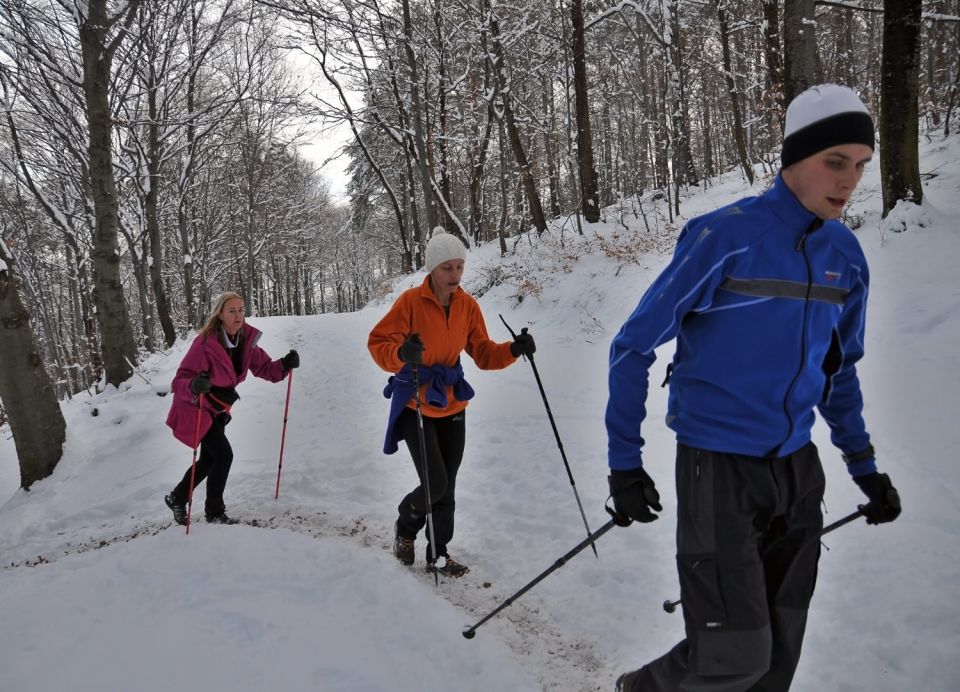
(802, 248)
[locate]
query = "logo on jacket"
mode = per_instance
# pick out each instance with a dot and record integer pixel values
(832, 276)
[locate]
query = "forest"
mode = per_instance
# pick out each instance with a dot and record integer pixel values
(152, 154)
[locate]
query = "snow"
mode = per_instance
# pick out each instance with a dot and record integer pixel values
(99, 591)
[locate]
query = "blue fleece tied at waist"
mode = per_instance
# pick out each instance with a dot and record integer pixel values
(400, 390)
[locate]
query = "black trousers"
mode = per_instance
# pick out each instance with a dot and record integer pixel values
(214, 462)
(748, 543)
(445, 439)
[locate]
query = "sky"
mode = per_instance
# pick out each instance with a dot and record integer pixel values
(100, 591)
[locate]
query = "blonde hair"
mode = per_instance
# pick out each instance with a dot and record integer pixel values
(213, 321)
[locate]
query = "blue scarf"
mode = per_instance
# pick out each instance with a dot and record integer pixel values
(400, 390)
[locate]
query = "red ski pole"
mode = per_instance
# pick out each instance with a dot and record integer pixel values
(193, 464)
(283, 435)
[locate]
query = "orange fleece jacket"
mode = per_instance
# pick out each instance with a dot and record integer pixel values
(444, 338)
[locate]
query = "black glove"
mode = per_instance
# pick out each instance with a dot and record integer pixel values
(411, 350)
(523, 344)
(222, 398)
(200, 384)
(634, 494)
(884, 502)
(291, 360)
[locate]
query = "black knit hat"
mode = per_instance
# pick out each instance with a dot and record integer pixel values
(821, 117)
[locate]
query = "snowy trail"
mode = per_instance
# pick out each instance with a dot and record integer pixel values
(312, 594)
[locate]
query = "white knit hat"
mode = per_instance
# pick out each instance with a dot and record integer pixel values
(821, 117)
(442, 247)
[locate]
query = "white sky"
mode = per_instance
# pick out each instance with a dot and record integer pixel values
(313, 600)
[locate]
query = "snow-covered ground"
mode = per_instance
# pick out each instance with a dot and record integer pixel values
(98, 591)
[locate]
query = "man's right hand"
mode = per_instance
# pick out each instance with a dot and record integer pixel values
(634, 496)
(411, 350)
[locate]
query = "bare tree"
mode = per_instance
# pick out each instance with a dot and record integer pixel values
(899, 114)
(588, 174)
(799, 47)
(25, 387)
(100, 35)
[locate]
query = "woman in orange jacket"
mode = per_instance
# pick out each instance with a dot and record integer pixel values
(426, 329)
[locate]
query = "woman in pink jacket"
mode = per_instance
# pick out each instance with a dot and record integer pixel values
(218, 360)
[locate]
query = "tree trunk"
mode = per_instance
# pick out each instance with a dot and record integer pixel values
(416, 114)
(153, 221)
(773, 56)
(513, 132)
(899, 113)
(25, 387)
(117, 343)
(686, 172)
(589, 193)
(799, 47)
(738, 135)
(443, 167)
(549, 144)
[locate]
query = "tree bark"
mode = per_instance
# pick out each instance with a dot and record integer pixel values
(151, 203)
(513, 132)
(899, 111)
(773, 56)
(738, 134)
(799, 47)
(416, 114)
(25, 387)
(117, 343)
(589, 192)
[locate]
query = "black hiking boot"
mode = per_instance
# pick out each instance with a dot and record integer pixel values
(448, 567)
(178, 508)
(402, 547)
(626, 681)
(221, 518)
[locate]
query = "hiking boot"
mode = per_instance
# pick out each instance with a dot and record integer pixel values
(626, 681)
(402, 547)
(448, 567)
(178, 508)
(221, 518)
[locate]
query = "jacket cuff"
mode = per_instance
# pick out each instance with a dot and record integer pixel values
(861, 463)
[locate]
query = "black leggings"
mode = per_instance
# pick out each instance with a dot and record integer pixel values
(216, 456)
(444, 438)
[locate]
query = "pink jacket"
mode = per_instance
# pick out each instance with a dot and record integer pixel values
(208, 353)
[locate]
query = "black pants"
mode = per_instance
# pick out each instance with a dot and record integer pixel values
(748, 543)
(445, 438)
(216, 456)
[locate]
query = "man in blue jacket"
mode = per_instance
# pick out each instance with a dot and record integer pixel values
(767, 299)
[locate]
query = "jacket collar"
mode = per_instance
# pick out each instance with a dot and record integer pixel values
(785, 205)
(427, 292)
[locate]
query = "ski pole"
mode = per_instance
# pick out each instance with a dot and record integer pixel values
(671, 606)
(556, 434)
(283, 435)
(193, 463)
(471, 632)
(425, 471)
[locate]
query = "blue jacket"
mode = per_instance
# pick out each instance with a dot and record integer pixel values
(400, 390)
(767, 304)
